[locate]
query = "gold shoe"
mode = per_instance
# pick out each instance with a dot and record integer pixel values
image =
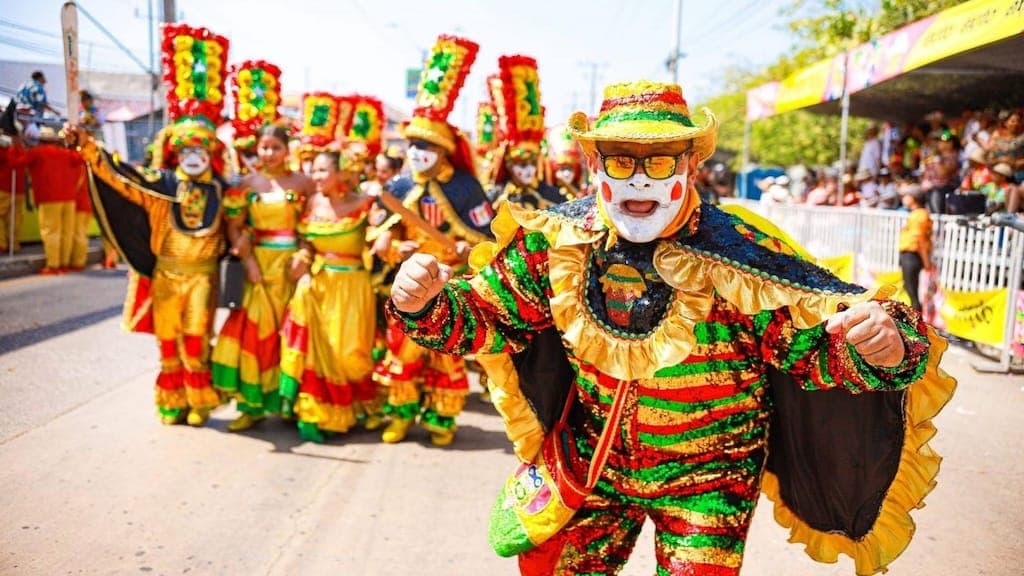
(396, 431)
(198, 416)
(168, 420)
(243, 422)
(373, 422)
(442, 438)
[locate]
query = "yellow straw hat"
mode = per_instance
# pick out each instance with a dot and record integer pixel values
(645, 112)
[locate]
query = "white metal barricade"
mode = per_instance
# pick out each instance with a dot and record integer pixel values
(971, 255)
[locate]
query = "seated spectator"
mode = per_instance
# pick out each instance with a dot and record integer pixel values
(941, 171)
(1007, 144)
(851, 196)
(867, 188)
(778, 192)
(999, 190)
(888, 195)
(977, 172)
(824, 193)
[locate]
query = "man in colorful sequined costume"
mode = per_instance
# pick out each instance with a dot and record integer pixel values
(443, 191)
(717, 330)
(515, 93)
(168, 224)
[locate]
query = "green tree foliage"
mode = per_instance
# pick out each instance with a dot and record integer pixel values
(821, 28)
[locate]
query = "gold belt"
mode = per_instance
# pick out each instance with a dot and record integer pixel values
(175, 266)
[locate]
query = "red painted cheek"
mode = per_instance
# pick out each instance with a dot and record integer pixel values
(606, 191)
(677, 191)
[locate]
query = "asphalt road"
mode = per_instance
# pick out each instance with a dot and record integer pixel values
(93, 484)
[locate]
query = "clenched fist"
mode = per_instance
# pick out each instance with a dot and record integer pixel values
(420, 278)
(871, 331)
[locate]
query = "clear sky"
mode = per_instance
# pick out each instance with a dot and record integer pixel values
(346, 46)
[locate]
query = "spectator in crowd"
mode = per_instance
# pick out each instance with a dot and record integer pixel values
(941, 171)
(1007, 144)
(888, 195)
(1000, 190)
(915, 243)
(851, 196)
(89, 114)
(867, 188)
(31, 95)
(871, 153)
(910, 149)
(977, 174)
(778, 191)
(824, 193)
(977, 134)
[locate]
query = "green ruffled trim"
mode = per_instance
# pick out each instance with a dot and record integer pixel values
(405, 411)
(435, 420)
(309, 431)
(172, 412)
(287, 391)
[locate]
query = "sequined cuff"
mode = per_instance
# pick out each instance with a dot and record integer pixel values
(864, 376)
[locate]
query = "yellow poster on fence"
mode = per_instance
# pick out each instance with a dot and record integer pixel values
(841, 266)
(893, 278)
(977, 316)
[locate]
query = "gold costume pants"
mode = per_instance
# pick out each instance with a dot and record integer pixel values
(80, 240)
(183, 308)
(5, 219)
(57, 229)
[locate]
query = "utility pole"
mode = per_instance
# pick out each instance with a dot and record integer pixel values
(169, 11)
(672, 63)
(153, 76)
(593, 66)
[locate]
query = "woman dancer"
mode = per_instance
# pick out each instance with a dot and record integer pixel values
(328, 331)
(261, 228)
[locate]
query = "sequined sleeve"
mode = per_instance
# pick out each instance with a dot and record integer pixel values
(494, 311)
(822, 361)
(236, 201)
(137, 185)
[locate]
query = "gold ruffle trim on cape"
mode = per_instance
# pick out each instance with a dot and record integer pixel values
(915, 478)
(521, 425)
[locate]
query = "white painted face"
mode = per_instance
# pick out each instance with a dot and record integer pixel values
(421, 160)
(565, 174)
(194, 160)
(523, 173)
(640, 207)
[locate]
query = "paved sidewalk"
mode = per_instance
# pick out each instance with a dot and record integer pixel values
(30, 259)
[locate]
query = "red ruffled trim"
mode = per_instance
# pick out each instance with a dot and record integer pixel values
(324, 390)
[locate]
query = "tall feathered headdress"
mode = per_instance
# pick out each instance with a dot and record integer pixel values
(256, 87)
(444, 74)
(194, 61)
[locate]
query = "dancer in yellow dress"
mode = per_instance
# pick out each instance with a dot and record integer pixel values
(327, 336)
(261, 227)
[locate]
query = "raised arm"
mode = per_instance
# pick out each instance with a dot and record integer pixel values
(137, 185)
(873, 346)
(491, 312)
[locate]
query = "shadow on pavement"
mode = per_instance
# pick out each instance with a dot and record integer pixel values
(284, 437)
(18, 340)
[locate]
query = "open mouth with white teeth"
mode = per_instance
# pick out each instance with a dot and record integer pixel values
(638, 208)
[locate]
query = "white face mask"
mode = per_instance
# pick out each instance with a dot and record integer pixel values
(565, 175)
(640, 207)
(421, 160)
(194, 161)
(524, 175)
